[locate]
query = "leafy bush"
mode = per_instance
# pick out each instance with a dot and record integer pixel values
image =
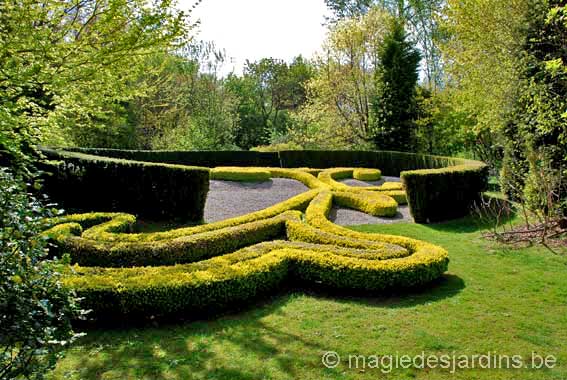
(85, 183)
(35, 309)
(276, 147)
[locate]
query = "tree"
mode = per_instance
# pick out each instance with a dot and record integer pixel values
(268, 91)
(535, 135)
(421, 19)
(394, 104)
(66, 65)
(188, 106)
(344, 84)
(348, 8)
(35, 308)
(481, 55)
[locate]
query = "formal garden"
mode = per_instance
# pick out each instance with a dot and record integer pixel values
(354, 189)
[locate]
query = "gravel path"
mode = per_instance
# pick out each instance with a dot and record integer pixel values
(358, 183)
(227, 199)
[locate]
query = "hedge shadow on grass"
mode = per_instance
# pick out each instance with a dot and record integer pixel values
(185, 348)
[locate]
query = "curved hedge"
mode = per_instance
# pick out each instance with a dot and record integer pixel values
(432, 195)
(84, 182)
(192, 270)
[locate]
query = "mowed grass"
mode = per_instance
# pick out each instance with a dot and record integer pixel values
(493, 300)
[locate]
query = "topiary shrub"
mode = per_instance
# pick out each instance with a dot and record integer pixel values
(363, 174)
(240, 174)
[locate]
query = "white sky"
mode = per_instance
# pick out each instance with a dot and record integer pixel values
(255, 29)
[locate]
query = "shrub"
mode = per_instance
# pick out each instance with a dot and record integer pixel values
(440, 194)
(83, 182)
(240, 174)
(366, 174)
(35, 309)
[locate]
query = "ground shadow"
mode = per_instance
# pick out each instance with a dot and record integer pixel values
(180, 350)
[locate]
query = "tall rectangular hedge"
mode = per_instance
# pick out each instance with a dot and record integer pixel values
(435, 195)
(84, 183)
(204, 158)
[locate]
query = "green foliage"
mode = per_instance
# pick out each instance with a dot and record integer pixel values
(481, 52)
(276, 147)
(85, 182)
(35, 309)
(268, 91)
(337, 114)
(420, 15)
(367, 174)
(240, 174)
(209, 159)
(440, 194)
(536, 135)
(442, 130)
(67, 65)
(394, 105)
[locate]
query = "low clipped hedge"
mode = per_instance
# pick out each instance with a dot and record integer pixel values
(84, 182)
(363, 174)
(439, 194)
(191, 271)
(241, 174)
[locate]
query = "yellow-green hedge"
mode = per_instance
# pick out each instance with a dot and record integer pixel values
(363, 174)
(242, 174)
(194, 270)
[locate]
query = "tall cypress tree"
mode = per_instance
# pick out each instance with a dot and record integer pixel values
(394, 106)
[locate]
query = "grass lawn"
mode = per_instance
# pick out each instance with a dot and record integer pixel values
(492, 300)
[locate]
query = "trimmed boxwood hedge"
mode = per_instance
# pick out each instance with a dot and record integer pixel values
(241, 174)
(84, 182)
(190, 271)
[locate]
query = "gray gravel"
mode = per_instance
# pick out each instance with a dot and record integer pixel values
(227, 199)
(348, 217)
(358, 183)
